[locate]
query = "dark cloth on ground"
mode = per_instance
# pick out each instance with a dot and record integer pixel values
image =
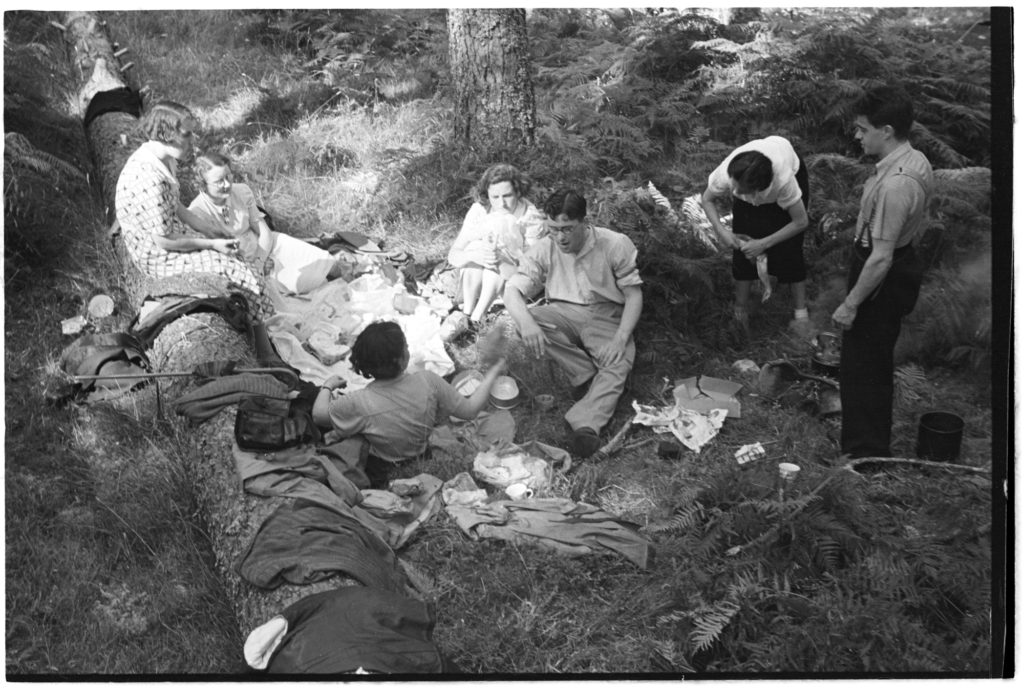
(115, 100)
(303, 473)
(341, 631)
(232, 307)
(208, 400)
(785, 259)
(331, 476)
(303, 542)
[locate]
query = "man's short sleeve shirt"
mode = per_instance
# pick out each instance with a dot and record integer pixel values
(604, 266)
(894, 200)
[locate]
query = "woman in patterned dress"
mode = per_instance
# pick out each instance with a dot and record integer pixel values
(153, 219)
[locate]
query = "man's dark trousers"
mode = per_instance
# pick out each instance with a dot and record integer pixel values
(866, 365)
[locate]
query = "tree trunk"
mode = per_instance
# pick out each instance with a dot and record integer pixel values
(232, 516)
(490, 69)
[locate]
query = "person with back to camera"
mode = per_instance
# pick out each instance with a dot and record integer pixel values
(499, 226)
(590, 278)
(768, 184)
(229, 210)
(885, 272)
(156, 227)
(396, 413)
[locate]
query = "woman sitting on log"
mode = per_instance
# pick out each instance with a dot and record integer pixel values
(153, 220)
(228, 210)
(499, 227)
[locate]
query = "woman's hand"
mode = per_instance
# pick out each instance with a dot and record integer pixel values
(482, 254)
(226, 246)
(334, 382)
(498, 367)
(753, 248)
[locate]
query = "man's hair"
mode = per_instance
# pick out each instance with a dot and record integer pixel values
(887, 105)
(163, 122)
(566, 202)
(751, 170)
(496, 174)
(379, 350)
(206, 162)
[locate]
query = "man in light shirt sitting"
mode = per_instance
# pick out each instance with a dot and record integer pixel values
(594, 299)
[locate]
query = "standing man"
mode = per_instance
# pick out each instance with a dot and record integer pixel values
(768, 184)
(592, 285)
(885, 273)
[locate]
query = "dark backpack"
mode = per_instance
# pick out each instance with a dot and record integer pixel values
(269, 424)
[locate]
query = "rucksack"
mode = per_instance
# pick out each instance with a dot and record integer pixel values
(266, 423)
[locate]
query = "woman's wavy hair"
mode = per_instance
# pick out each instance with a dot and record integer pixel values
(206, 162)
(496, 174)
(379, 351)
(163, 122)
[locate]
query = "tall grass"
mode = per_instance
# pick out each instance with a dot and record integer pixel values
(107, 571)
(196, 58)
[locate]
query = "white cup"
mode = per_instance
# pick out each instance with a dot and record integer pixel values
(518, 491)
(788, 471)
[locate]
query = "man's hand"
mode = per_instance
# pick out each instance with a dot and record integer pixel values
(612, 352)
(533, 337)
(844, 316)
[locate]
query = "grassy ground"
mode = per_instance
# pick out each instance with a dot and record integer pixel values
(108, 570)
(886, 571)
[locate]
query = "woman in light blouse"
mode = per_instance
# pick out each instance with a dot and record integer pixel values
(499, 227)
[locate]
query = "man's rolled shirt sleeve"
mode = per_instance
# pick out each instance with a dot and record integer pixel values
(624, 266)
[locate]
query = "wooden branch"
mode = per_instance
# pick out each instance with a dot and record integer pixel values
(613, 444)
(853, 463)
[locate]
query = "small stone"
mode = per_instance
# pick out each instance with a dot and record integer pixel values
(73, 325)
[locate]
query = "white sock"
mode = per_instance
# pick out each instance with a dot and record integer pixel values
(800, 313)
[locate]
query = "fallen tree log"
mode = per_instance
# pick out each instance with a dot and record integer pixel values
(232, 517)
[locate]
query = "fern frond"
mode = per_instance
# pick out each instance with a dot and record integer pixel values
(20, 152)
(680, 522)
(937, 150)
(910, 382)
(710, 622)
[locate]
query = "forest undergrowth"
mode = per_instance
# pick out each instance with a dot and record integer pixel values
(338, 120)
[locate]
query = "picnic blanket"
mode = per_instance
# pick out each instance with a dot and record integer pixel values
(343, 310)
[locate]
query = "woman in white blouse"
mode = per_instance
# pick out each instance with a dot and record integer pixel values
(229, 210)
(499, 227)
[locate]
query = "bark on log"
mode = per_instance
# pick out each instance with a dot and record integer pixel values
(232, 516)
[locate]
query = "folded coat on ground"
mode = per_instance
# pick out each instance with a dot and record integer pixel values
(561, 524)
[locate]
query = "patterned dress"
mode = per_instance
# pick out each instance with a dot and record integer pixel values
(146, 203)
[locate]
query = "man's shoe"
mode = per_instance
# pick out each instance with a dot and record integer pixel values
(580, 390)
(584, 442)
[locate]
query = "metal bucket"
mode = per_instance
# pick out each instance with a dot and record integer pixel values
(939, 435)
